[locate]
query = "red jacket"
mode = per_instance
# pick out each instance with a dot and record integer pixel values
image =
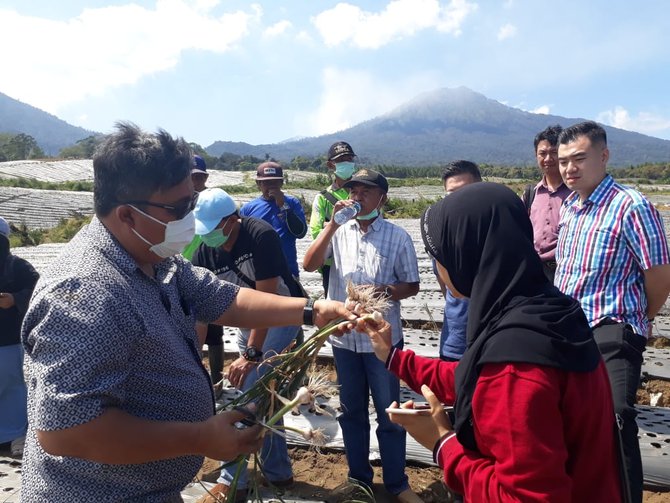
(544, 434)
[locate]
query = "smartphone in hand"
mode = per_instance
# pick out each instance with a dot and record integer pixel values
(420, 409)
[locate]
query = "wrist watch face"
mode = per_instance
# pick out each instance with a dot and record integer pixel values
(253, 354)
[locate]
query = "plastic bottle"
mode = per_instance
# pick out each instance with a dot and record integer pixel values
(346, 213)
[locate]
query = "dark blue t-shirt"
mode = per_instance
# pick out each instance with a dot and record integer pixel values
(452, 337)
(276, 217)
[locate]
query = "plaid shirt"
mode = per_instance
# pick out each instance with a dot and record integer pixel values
(604, 246)
(384, 255)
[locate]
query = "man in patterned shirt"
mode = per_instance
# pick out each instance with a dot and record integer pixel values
(368, 250)
(612, 256)
(120, 406)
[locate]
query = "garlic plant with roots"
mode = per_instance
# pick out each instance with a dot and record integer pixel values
(365, 299)
(317, 385)
(288, 373)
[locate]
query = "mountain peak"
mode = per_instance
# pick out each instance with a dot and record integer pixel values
(50, 132)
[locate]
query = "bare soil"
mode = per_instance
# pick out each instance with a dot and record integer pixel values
(652, 387)
(318, 474)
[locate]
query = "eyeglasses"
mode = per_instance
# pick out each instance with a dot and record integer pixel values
(179, 210)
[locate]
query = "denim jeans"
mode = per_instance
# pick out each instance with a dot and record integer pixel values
(13, 394)
(275, 462)
(358, 375)
(622, 351)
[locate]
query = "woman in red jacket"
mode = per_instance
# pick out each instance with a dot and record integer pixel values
(534, 419)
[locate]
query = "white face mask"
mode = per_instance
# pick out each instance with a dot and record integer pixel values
(178, 234)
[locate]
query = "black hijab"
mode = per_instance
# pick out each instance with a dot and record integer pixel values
(483, 237)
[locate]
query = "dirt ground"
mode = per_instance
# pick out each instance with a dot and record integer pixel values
(652, 387)
(318, 474)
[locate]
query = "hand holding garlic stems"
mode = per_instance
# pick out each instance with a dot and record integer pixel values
(379, 331)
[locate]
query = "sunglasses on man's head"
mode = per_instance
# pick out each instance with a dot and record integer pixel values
(179, 210)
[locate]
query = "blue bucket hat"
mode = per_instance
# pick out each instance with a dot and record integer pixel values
(213, 205)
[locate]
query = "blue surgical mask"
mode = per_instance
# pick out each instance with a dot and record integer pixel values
(344, 170)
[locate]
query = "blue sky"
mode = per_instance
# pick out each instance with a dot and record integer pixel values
(264, 72)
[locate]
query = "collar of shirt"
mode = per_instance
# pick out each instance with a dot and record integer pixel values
(597, 197)
(374, 226)
(542, 184)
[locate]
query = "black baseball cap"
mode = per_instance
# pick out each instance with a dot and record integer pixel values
(368, 177)
(339, 149)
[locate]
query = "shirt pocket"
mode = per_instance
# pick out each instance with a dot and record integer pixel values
(377, 269)
(604, 251)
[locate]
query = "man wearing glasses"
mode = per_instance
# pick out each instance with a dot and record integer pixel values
(120, 406)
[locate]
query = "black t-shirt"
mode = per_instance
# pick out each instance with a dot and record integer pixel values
(18, 277)
(256, 255)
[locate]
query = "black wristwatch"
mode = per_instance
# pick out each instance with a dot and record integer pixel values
(252, 354)
(308, 312)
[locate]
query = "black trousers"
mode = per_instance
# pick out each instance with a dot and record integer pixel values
(325, 273)
(214, 341)
(622, 351)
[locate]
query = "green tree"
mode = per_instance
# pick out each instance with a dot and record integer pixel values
(83, 149)
(19, 147)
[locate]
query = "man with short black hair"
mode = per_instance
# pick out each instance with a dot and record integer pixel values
(612, 256)
(283, 212)
(120, 406)
(368, 250)
(544, 200)
(341, 164)
(456, 175)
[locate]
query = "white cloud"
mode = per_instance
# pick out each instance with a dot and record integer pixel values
(643, 122)
(277, 29)
(304, 37)
(350, 97)
(506, 31)
(542, 109)
(346, 23)
(55, 63)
